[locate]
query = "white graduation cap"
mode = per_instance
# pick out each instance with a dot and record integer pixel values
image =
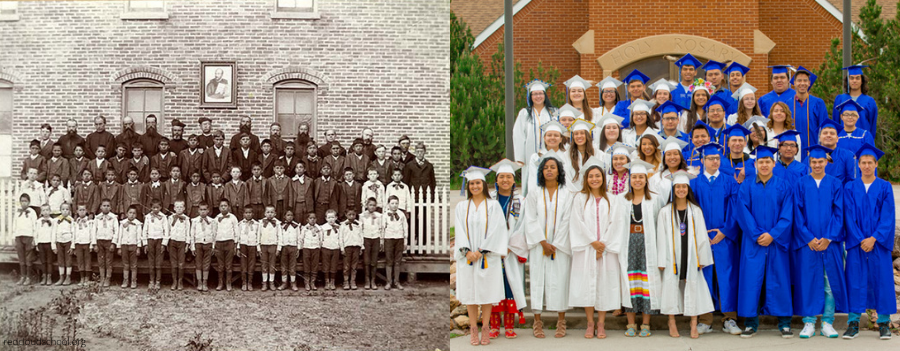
(757, 120)
(554, 155)
(568, 111)
(609, 82)
(681, 177)
(610, 118)
(743, 90)
(662, 84)
(506, 166)
(581, 124)
(620, 148)
(553, 126)
(640, 167)
(672, 143)
(640, 105)
(590, 162)
(537, 85)
(577, 82)
(475, 172)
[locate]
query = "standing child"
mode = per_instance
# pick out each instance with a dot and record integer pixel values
(77, 164)
(99, 165)
(351, 244)
(111, 191)
(256, 186)
(335, 160)
(156, 231)
(63, 233)
(155, 189)
(326, 194)
(173, 189)
(164, 160)
(36, 161)
(358, 161)
(129, 242)
(177, 242)
(373, 189)
(380, 164)
(87, 192)
(140, 162)
(215, 193)
(133, 194)
(301, 192)
(216, 159)
(56, 164)
(106, 228)
(290, 160)
(203, 234)
(195, 194)
(312, 162)
(84, 241)
(191, 159)
(236, 191)
(267, 158)
(396, 162)
(43, 238)
(331, 248)
(57, 194)
(395, 231)
(400, 190)
(372, 225)
(34, 189)
(119, 163)
(350, 193)
(249, 239)
(278, 189)
(311, 241)
(290, 240)
(226, 234)
(25, 226)
(269, 244)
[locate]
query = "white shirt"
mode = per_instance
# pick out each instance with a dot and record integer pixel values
(351, 236)
(130, 233)
(311, 236)
(227, 227)
(709, 176)
(395, 228)
(179, 228)
(203, 230)
(372, 225)
(106, 226)
(26, 222)
(290, 234)
(331, 236)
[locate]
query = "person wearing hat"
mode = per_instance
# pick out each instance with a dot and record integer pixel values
(817, 247)
(759, 135)
(736, 75)
(716, 192)
(635, 85)
(547, 235)
(610, 130)
(609, 96)
(552, 140)
(206, 137)
(701, 134)
(567, 115)
(670, 113)
(851, 137)
(869, 230)
(527, 136)
(99, 137)
(580, 151)
(577, 98)
(745, 106)
(843, 162)
(479, 251)
(765, 213)
(715, 74)
(701, 92)
(594, 283)
(673, 159)
(177, 143)
(716, 109)
(809, 111)
(781, 89)
(684, 251)
(641, 122)
(738, 165)
(661, 91)
(619, 157)
(633, 218)
(648, 151)
(514, 262)
(857, 84)
(786, 166)
(687, 70)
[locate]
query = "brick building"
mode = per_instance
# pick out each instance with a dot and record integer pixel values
(339, 64)
(598, 38)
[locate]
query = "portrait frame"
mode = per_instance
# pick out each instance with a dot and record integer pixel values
(218, 92)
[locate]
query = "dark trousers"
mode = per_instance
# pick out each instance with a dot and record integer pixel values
(129, 257)
(176, 254)
(105, 254)
(330, 259)
(311, 260)
(393, 251)
(321, 209)
(269, 257)
(155, 253)
(248, 259)
(63, 256)
(202, 256)
(351, 259)
(45, 255)
(301, 211)
(289, 260)
(259, 211)
(83, 257)
(370, 254)
(279, 209)
(25, 253)
(224, 255)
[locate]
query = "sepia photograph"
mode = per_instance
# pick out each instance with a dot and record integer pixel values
(219, 86)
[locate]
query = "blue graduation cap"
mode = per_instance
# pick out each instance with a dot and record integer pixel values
(829, 123)
(636, 75)
(717, 100)
(711, 149)
(812, 76)
(668, 107)
(870, 150)
(710, 130)
(849, 105)
(763, 151)
(734, 66)
(711, 65)
(818, 151)
(788, 135)
(780, 69)
(736, 130)
(689, 60)
(855, 70)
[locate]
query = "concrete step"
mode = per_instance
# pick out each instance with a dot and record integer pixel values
(576, 319)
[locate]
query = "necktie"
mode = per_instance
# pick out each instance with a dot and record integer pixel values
(712, 179)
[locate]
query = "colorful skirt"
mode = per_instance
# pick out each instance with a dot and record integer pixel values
(638, 282)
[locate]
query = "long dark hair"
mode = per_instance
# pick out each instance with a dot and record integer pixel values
(560, 178)
(588, 152)
(630, 194)
(864, 87)
(586, 189)
(547, 105)
(682, 165)
(487, 194)
(585, 106)
(692, 115)
(605, 144)
(690, 197)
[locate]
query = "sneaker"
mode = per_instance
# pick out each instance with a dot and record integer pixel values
(730, 327)
(748, 332)
(809, 330)
(786, 333)
(884, 331)
(704, 329)
(828, 330)
(852, 330)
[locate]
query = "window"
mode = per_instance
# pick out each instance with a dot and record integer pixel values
(6, 144)
(144, 9)
(146, 5)
(295, 103)
(295, 9)
(295, 5)
(143, 97)
(9, 10)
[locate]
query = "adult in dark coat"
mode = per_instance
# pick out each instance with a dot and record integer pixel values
(128, 137)
(368, 135)
(404, 143)
(150, 139)
(70, 139)
(46, 142)
(100, 137)
(276, 140)
(206, 137)
(177, 143)
(330, 138)
(419, 173)
(244, 128)
(244, 156)
(302, 140)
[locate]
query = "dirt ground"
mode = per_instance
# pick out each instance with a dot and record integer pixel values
(115, 318)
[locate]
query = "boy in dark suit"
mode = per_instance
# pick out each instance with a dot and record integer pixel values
(36, 161)
(191, 159)
(278, 190)
(358, 161)
(335, 160)
(216, 159)
(312, 162)
(350, 194)
(325, 194)
(267, 158)
(244, 156)
(302, 192)
(164, 160)
(256, 187)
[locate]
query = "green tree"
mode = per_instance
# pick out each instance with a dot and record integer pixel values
(878, 47)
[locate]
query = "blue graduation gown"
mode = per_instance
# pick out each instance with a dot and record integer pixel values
(808, 116)
(622, 110)
(725, 94)
(792, 173)
(692, 156)
(870, 276)
(681, 136)
(766, 101)
(717, 199)
(819, 214)
(731, 168)
(681, 96)
(868, 118)
(843, 167)
(853, 141)
(765, 208)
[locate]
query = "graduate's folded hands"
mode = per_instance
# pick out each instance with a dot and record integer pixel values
(764, 240)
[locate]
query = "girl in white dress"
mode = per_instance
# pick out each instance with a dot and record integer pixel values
(673, 160)
(527, 129)
(609, 96)
(747, 106)
(580, 151)
(640, 122)
(617, 179)
(553, 135)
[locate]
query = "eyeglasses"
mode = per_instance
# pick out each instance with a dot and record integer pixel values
(849, 114)
(609, 91)
(670, 118)
(718, 110)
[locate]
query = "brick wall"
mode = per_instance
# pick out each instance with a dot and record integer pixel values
(377, 64)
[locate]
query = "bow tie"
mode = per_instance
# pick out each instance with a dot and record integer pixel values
(206, 220)
(221, 218)
(373, 187)
(67, 219)
(292, 224)
(394, 216)
(156, 216)
(53, 190)
(267, 221)
(396, 186)
(23, 211)
(46, 221)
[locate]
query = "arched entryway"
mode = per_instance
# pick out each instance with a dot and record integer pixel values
(649, 52)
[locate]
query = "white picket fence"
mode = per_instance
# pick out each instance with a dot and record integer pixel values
(432, 223)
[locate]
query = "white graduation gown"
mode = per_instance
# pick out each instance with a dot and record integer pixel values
(631, 137)
(549, 276)
(696, 299)
(530, 170)
(609, 184)
(515, 271)
(527, 135)
(594, 282)
(621, 224)
(572, 184)
(480, 282)
(661, 185)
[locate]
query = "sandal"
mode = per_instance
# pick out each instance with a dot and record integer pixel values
(673, 329)
(473, 338)
(485, 337)
(589, 333)
(601, 331)
(645, 330)
(630, 332)
(538, 328)
(617, 313)
(511, 334)
(560, 328)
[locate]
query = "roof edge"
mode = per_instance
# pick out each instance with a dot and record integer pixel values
(494, 26)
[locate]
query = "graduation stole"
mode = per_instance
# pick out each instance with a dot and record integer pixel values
(691, 220)
(555, 215)
(468, 238)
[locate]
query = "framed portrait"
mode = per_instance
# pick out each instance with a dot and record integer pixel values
(218, 84)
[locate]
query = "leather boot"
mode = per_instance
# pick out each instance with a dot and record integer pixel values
(68, 276)
(205, 280)
(389, 270)
(152, 279)
(159, 278)
(102, 276)
(228, 280)
(134, 275)
(353, 279)
(293, 279)
(243, 281)
(368, 279)
(374, 276)
(109, 272)
(312, 281)
(174, 277)
(62, 276)
(199, 276)
(397, 277)
(43, 279)
(346, 282)
(306, 281)
(180, 279)
(124, 278)
(327, 281)
(284, 281)
(221, 281)
(265, 278)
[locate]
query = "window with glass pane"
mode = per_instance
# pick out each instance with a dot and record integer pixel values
(6, 144)
(295, 5)
(143, 98)
(295, 104)
(146, 5)
(9, 7)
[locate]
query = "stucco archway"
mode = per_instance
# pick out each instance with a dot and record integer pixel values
(669, 44)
